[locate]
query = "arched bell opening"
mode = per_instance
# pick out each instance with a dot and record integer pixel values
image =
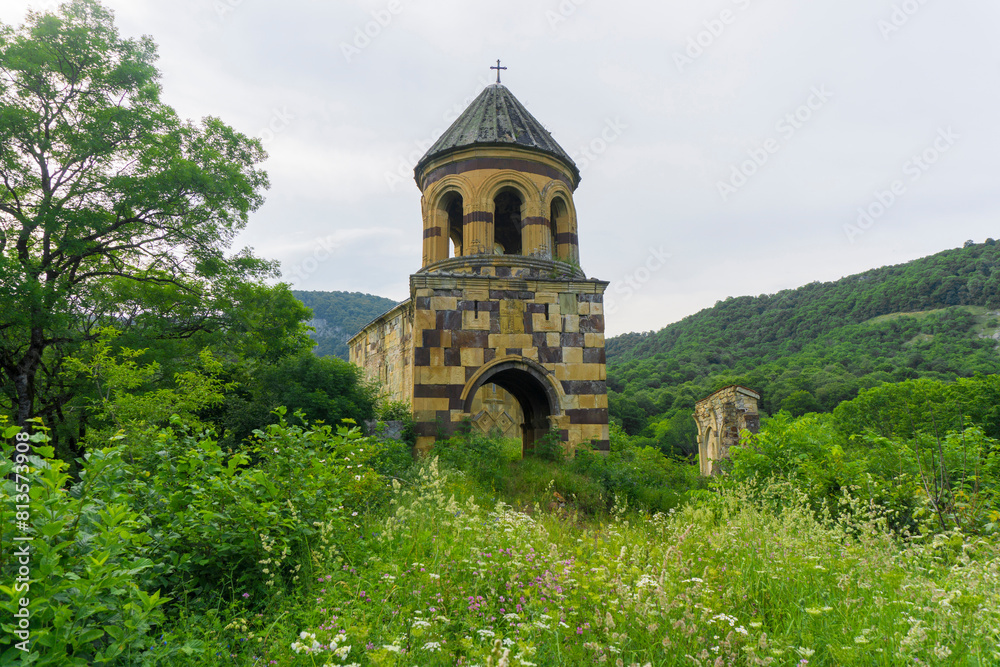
(536, 398)
(507, 216)
(563, 231)
(453, 207)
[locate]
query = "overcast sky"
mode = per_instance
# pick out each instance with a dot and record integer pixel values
(742, 138)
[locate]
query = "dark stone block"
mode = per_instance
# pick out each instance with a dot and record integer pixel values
(449, 320)
(423, 303)
(538, 340)
(468, 339)
(578, 387)
(514, 350)
(592, 416)
(432, 338)
(453, 356)
(422, 356)
(592, 324)
(601, 445)
(594, 355)
(572, 340)
(489, 355)
(550, 355)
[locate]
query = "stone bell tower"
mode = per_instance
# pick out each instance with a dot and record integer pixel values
(500, 306)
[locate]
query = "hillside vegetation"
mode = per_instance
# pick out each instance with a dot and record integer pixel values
(810, 348)
(339, 315)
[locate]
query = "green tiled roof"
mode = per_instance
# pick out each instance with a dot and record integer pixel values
(496, 118)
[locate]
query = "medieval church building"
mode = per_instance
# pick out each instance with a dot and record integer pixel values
(502, 328)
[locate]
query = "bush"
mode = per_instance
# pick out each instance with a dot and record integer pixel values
(88, 603)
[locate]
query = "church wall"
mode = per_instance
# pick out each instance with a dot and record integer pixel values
(495, 312)
(384, 351)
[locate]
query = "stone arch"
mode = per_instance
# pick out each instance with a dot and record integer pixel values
(530, 216)
(539, 396)
(508, 221)
(444, 220)
(561, 213)
(705, 447)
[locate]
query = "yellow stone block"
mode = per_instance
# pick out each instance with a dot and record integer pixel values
(584, 308)
(437, 356)
(572, 355)
(425, 291)
(554, 339)
(583, 372)
(444, 303)
(546, 297)
(424, 320)
(597, 309)
(472, 357)
(476, 294)
(530, 353)
(593, 340)
(571, 323)
(445, 339)
(471, 322)
(540, 323)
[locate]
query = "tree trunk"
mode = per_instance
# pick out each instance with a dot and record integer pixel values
(24, 377)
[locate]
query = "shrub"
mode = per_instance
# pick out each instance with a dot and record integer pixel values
(87, 602)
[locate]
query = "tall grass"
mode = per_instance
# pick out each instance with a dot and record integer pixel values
(738, 579)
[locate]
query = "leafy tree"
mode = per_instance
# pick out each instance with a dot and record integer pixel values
(112, 209)
(799, 403)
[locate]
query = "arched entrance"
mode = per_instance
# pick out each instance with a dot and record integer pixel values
(532, 390)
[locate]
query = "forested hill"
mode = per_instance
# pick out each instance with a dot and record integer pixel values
(772, 325)
(812, 347)
(339, 315)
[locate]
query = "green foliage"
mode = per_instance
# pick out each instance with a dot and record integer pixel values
(922, 483)
(456, 580)
(483, 458)
(550, 448)
(339, 315)
(87, 560)
(799, 403)
(324, 389)
(926, 319)
(113, 211)
(640, 476)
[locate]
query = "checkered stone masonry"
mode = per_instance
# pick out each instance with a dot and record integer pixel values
(464, 323)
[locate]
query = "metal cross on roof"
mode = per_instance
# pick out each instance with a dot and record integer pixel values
(498, 68)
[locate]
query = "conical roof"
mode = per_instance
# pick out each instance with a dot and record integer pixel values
(496, 118)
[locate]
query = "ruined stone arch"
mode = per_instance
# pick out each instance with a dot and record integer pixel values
(536, 391)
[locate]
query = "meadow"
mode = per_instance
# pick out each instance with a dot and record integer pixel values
(321, 547)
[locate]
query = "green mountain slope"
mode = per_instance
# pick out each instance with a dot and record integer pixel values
(339, 315)
(810, 348)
